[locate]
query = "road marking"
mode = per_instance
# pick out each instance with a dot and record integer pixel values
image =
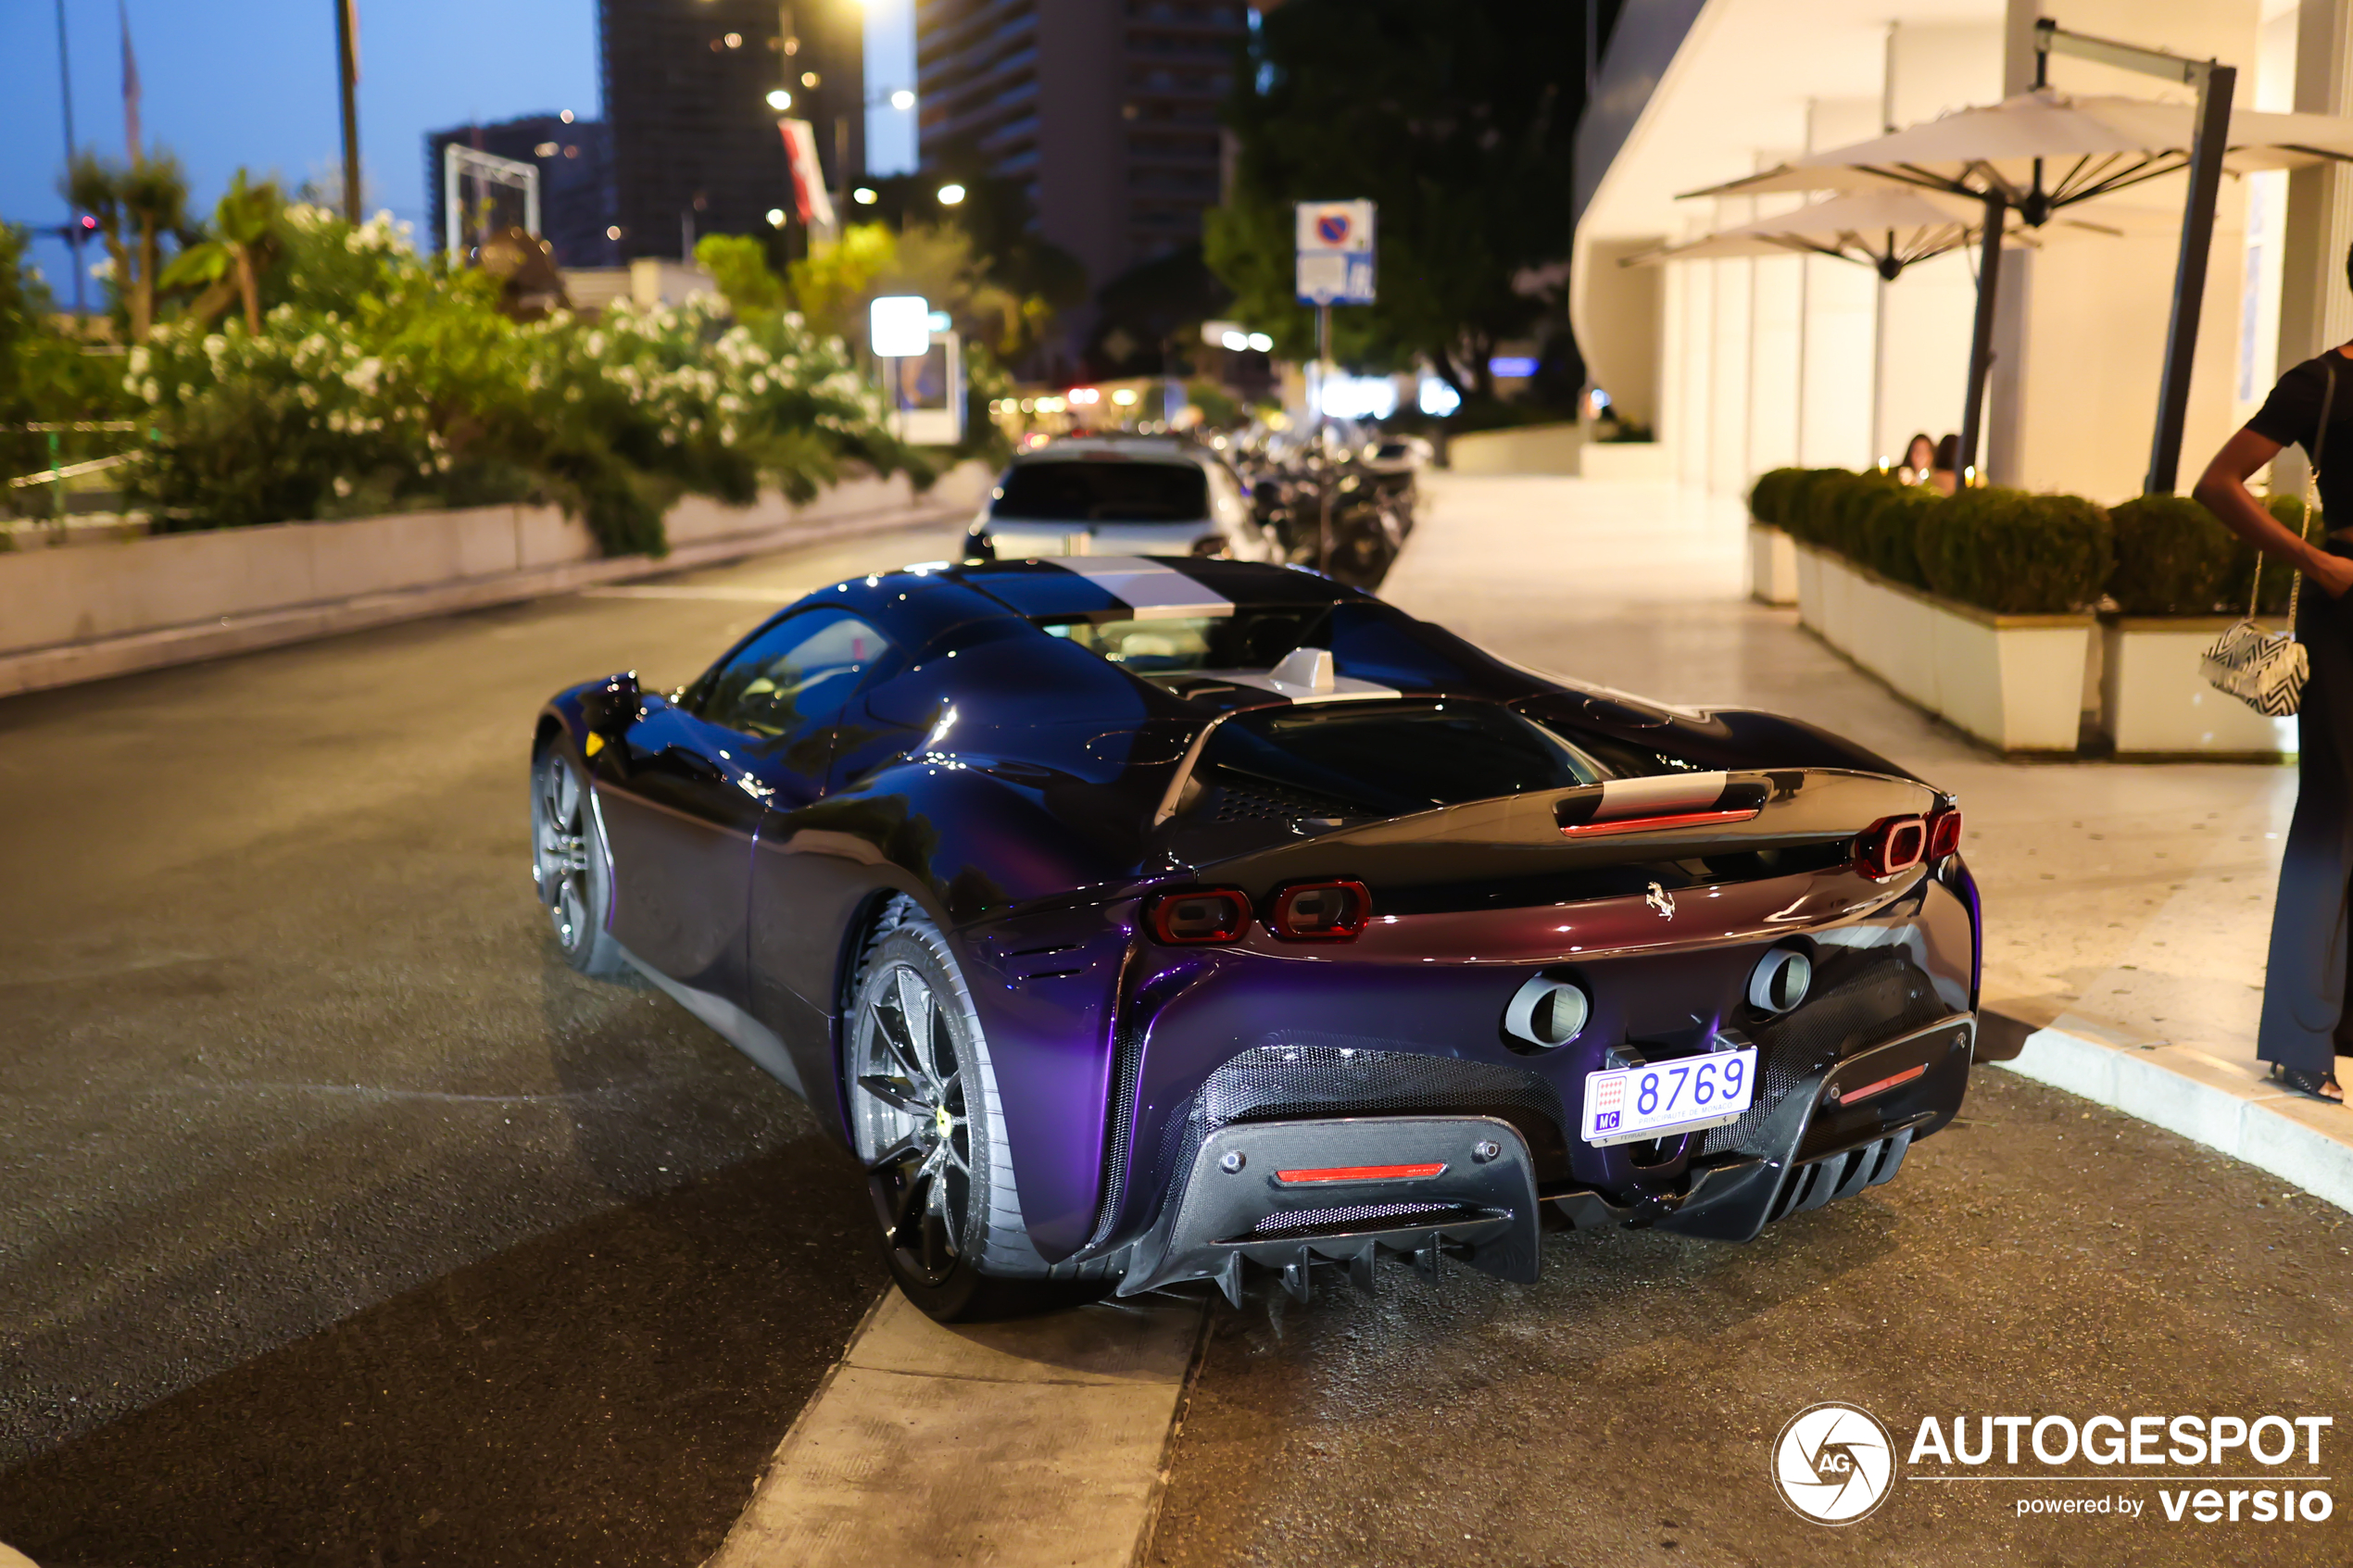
(1020, 1445)
(742, 593)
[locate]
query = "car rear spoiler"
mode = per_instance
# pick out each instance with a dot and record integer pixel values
(1668, 817)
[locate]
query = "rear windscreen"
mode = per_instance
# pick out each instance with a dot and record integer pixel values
(1098, 490)
(1385, 761)
(1253, 637)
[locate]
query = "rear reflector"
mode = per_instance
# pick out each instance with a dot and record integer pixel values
(1359, 1173)
(1320, 911)
(1848, 1097)
(1200, 915)
(1889, 845)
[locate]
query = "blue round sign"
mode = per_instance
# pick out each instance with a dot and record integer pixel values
(1332, 228)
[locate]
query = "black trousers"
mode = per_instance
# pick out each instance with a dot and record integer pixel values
(2304, 992)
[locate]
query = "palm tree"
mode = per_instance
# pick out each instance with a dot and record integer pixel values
(136, 205)
(244, 241)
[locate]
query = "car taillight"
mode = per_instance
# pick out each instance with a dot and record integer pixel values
(1943, 832)
(1200, 915)
(1320, 911)
(1891, 845)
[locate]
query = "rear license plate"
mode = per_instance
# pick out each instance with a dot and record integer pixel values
(1623, 1104)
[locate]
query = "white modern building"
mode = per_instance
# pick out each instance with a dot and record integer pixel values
(1744, 365)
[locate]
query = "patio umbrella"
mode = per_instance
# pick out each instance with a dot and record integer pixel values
(2041, 151)
(1886, 227)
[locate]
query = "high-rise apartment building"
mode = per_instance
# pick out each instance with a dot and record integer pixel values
(695, 148)
(1105, 109)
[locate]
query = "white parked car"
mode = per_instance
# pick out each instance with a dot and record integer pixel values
(1119, 496)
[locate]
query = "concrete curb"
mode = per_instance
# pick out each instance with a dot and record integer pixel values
(1035, 1443)
(2227, 1106)
(73, 663)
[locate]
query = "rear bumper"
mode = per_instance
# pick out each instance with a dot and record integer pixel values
(1244, 1197)
(1820, 1143)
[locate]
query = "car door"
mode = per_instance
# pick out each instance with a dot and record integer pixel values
(684, 809)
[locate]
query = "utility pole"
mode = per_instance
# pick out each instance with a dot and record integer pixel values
(347, 70)
(74, 228)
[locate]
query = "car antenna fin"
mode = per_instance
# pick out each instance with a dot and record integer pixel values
(1309, 668)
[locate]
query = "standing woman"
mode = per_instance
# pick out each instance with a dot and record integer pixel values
(2305, 989)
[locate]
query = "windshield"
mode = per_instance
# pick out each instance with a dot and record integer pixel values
(1251, 638)
(1104, 489)
(1390, 761)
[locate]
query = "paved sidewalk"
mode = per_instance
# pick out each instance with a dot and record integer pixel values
(2127, 905)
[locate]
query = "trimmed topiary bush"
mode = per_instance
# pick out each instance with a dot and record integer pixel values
(1767, 496)
(1801, 515)
(1887, 539)
(2015, 553)
(2174, 557)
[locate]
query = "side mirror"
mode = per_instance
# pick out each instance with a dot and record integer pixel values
(610, 707)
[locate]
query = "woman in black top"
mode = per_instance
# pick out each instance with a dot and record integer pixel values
(2304, 1022)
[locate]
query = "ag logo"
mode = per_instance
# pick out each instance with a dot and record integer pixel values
(1834, 1463)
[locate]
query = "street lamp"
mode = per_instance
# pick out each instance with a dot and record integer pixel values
(865, 196)
(776, 218)
(903, 99)
(951, 195)
(779, 100)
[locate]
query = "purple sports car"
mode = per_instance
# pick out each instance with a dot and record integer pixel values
(1135, 920)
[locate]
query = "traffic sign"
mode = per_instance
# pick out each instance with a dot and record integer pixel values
(1335, 253)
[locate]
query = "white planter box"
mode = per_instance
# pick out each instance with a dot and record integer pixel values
(2015, 681)
(1773, 565)
(2154, 702)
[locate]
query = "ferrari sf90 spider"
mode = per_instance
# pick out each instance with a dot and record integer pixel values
(1135, 920)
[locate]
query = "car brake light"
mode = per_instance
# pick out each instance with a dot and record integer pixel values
(1889, 845)
(1362, 1173)
(1943, 832)
(1320, 911)
(1201, 916)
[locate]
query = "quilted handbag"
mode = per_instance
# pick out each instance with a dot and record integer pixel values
(2267, 669)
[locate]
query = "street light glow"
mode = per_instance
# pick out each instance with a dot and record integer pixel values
(1235, 341)
(865, 195)
(951, 195)
(779, 100)
(1261, 342)
(776, 218)
(903, 99)
(1125, 397)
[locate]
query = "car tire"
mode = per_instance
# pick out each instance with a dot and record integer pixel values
(569, 862)
(927, 1125)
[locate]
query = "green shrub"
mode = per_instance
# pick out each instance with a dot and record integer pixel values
(2174, 557)
(1767, 496)
(1887, 539)
(2016, 553)
(1838, 501)
(1800, 518)
(381, 380)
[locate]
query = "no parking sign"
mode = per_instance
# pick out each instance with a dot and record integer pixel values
(1335, 253)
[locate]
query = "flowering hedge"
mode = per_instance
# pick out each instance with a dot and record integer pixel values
(381, 381)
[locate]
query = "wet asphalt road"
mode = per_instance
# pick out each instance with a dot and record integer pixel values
(339, 1221)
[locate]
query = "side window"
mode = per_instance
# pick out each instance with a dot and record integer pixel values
(800, 670)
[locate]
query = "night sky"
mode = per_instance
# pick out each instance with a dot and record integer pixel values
(253, 83)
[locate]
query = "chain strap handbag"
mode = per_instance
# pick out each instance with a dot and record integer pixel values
(2267, 669)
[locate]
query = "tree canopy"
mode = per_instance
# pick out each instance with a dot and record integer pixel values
(1457, 118)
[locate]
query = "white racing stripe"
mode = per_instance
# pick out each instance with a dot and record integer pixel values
(1154, 590)
(1040, 1443)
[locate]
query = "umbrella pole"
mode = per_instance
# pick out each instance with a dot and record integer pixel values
(2214, 88)
(1981, 344)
